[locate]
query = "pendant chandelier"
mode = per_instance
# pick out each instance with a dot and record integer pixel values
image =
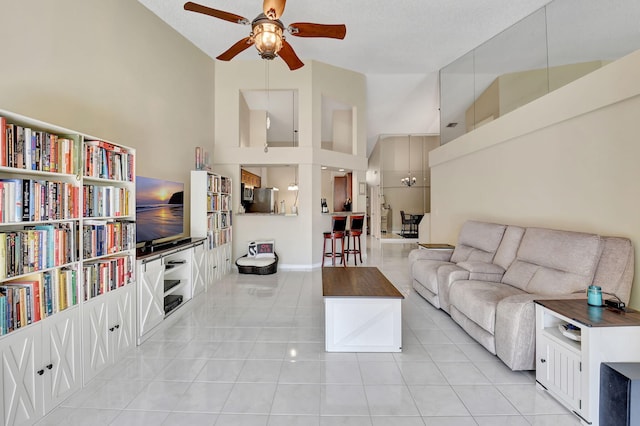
(409, 180)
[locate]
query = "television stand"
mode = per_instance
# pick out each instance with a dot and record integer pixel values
(151, 248)
(170, 276)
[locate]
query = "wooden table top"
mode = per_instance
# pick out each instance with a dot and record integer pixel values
(437, 246)
(592, 316)
(357, 282)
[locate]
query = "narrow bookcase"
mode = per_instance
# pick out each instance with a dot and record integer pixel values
(211, 217)
(108, 253)
(66, 218)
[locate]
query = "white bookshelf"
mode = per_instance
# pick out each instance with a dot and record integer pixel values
(211, 218)
(48, 340)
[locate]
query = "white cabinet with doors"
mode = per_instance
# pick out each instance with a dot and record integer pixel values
(108, 329)
(41, 367)
(572, 340)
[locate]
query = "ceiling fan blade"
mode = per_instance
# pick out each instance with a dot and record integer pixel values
(289, 56)
(273, 9)
(240, 46)
(236, 19)
(307, 29)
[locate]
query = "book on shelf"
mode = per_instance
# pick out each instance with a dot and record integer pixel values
(36, 248)
(36, 200)
(105, 201)
(35, 297)
(12, 199)
(107, 274)
(3, 141)
(32, 149)
(108, 161)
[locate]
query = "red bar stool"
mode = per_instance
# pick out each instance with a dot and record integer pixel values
(356, 223)
(338, 226)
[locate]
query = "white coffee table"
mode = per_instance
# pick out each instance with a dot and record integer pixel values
(363, 311)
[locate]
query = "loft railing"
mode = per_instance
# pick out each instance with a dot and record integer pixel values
(553, 46)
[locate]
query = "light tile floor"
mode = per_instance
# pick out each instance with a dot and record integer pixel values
(251, 352)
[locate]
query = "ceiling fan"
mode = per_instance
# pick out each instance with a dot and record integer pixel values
(267, 32)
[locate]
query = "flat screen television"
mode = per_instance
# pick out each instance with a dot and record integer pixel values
(159, 210)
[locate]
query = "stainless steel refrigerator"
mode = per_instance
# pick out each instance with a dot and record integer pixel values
(265, 200)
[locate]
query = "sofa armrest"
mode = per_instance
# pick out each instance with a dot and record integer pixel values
(515, 328)
(430, 254)
(483, 271)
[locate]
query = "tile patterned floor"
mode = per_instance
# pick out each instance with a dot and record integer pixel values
(251, 353)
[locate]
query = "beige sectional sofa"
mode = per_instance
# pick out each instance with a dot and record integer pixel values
(489, 281)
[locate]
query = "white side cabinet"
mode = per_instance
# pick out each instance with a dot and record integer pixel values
(568, 366)
(41, 366)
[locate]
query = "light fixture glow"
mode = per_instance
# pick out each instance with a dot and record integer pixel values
(267, 36)
(408, 181)
(293, 187)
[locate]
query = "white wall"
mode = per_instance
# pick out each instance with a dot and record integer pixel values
(402, 104)
(568, 160)
(111, 69)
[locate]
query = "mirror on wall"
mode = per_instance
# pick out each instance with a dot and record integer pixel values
(337, 126)
(269, 117)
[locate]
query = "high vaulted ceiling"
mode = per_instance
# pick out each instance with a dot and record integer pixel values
(383, 37)
(401, 45)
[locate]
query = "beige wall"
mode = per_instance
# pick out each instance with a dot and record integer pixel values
(298, 239)
(568, 160)
(111, 69)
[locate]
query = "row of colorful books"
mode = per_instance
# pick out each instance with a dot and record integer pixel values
(105, 201)
(108, 161)
(37, 248)
(218, 202)
(216, 238)
(219, 220)
(106, 274)
(35, 297)
(23, 200)
(219, 184)
(103, 237)
(25, 148)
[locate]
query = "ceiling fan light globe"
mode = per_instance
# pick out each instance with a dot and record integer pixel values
(267, 37)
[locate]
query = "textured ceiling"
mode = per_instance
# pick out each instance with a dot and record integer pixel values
(383, 37)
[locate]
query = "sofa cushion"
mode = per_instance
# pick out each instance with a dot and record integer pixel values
(447, 275)
(478, 300)
(615, 268)
(483, 271)
(257, 262)
(478, 241)
(554, 262)
(425, 272)
(508, 249)
(424, 254)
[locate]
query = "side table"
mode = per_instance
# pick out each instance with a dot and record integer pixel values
(572, 340)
